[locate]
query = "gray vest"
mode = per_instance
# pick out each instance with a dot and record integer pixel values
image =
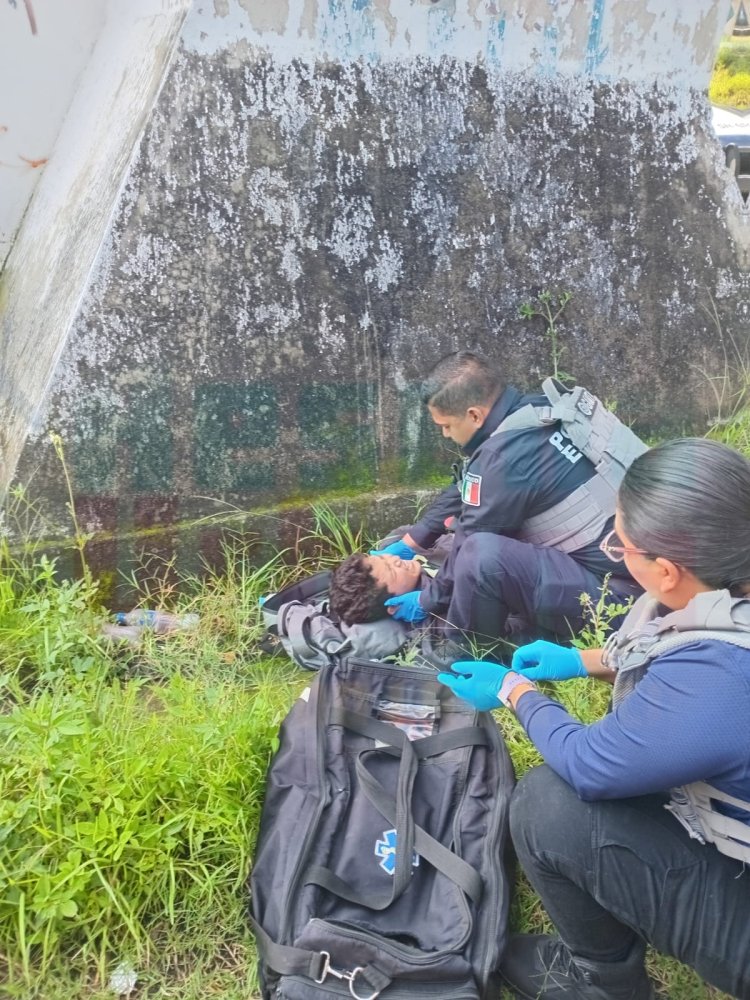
(596, 433)
(643, 636)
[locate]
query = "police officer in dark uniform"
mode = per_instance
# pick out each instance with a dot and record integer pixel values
(500, 567)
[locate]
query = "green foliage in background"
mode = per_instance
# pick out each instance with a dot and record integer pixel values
(730, 83)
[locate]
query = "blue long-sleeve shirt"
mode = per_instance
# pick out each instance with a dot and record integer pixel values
(687, 720)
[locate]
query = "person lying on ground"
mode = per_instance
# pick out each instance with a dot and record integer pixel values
(362, 585)
(637, 827)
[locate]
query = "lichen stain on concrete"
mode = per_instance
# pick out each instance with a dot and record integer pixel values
(351, 231)
(307, 237)
(266, 16)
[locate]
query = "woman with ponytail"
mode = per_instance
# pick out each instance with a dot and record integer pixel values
(636, 829)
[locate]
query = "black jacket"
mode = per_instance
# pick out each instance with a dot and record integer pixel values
(507, 479)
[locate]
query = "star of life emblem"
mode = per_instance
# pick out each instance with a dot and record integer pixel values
(385, 849)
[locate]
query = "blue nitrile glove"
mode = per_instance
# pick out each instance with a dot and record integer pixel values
(476, 682)
(399, 548)
(408, 608)
(546, 661)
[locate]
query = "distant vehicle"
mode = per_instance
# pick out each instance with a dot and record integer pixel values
(733, 129)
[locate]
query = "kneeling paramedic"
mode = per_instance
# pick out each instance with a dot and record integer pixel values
(535, 498)
(637, 827)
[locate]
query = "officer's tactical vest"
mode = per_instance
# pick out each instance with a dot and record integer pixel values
(593, 430)
(643, 636)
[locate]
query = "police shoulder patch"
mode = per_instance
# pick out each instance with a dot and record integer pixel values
(471, 489)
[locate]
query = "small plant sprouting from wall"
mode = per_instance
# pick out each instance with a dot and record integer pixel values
(728, 414)
(549, 307)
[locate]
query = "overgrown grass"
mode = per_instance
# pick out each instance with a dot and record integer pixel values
(132, 780)
(730, 83)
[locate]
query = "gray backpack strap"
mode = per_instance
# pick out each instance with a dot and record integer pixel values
(309, 637)
(693, 804)
(526, 417)
(635, 666)
(550, 390)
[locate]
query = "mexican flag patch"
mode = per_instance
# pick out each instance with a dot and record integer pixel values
(471, 489)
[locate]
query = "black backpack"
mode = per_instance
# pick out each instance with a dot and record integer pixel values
(379, 868)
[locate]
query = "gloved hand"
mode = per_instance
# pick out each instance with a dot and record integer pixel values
(478, 682)
(399, 548)
(408, 608)
(546, 661)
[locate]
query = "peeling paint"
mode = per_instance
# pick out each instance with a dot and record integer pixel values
(267, 17)
(608, 39)
(331, 195)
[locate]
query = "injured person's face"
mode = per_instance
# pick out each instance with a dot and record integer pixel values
(398, 576)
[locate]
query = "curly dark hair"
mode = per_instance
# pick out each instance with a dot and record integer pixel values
(355, 596)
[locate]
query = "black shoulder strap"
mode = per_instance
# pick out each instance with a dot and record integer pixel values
(398, 810)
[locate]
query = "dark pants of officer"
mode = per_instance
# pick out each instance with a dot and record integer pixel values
(610, 872)
(495, 577)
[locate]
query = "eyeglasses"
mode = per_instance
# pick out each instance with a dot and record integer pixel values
(612, 547)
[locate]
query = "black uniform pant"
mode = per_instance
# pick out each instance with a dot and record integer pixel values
(496, 578)
(612, 872)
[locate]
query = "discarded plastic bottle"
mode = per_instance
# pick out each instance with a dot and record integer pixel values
(130, 634)
(160, 622)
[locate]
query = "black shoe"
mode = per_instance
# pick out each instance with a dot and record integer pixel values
(540, 967)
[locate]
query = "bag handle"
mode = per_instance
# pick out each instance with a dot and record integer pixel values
(397, 810)
(288, 960)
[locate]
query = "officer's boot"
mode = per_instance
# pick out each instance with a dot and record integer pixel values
(540, 967)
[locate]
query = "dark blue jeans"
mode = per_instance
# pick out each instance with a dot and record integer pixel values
(496, 578)
(612, 871)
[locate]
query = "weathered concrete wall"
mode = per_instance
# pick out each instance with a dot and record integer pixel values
(43, 43)
(331, 195)
(79, 82)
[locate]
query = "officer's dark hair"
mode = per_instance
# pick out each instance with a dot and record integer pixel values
(355, 595)
(689, 501)
(461, 380)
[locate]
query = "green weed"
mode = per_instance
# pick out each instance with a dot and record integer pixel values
(598, 617)
(549, 308)
(730, 386)
(333, 536)
(48, 627)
